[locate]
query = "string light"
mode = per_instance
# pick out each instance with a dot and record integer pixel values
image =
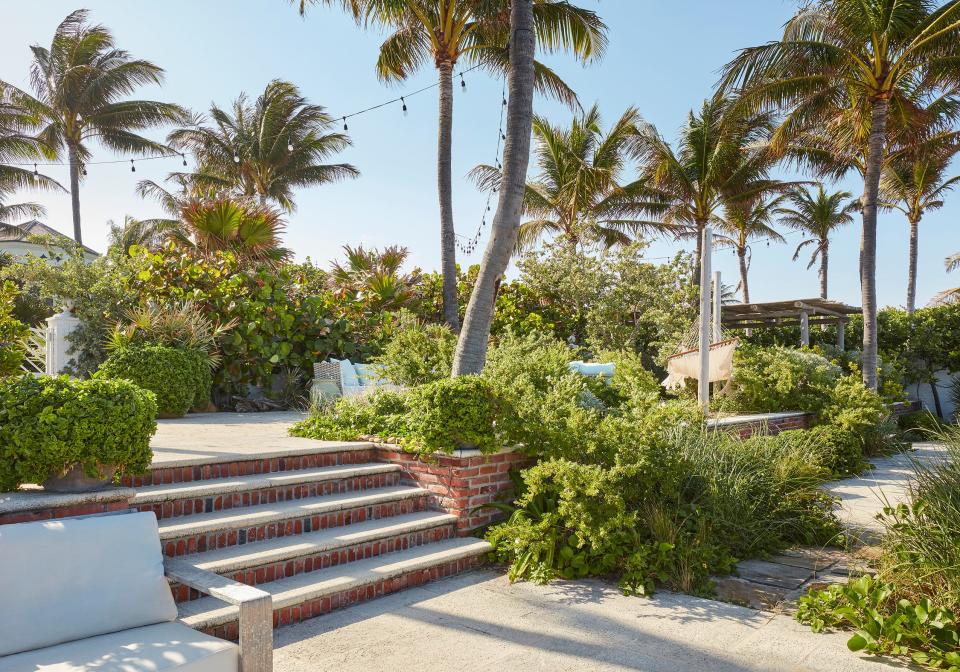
(236, 158)
(35, 173)
(83, 168)
(463, 83)
(404, 105)
(184, 159)
(289, 146)
(133, 168)
(345, 127)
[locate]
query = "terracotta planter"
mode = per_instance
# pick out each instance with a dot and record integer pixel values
(74, 480)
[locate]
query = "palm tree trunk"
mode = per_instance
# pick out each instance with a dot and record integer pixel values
(744, 288)
(471, 354)
(448, 251)
(824, 267)
(75, 191)
(699, 258)
(912, 267)
(868, 239)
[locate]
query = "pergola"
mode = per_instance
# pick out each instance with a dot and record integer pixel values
(802, 313)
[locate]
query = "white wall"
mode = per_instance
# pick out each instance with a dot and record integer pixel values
(925, 395)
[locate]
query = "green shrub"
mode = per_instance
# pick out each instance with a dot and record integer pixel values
(382, 413)
(838, 449)
(47, 425)
(921, 425)
(632, 383)
(418, 354)
(884, 625)
(13, 333)
(455, 413)
(769, 380)
(173, 374)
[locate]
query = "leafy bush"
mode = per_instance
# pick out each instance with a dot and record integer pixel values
(47, 425)
(769, 380)
(884, 625)
(921, 425)
(13, 333)
(838, 449)
(174, 375)
(454, 413)
(418, 354)
(383, 413)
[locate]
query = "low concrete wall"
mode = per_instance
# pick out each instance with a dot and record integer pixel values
(771, 423)
(28, 505)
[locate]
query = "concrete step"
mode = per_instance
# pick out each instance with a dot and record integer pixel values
(206, 496)
(176, 465)
(280, 558)
(218, 529)
(308, 595)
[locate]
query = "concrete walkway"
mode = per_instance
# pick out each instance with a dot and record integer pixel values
(888, 483)
(479, 621)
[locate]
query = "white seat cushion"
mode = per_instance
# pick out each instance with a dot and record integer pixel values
(62, 580)
(153, 648)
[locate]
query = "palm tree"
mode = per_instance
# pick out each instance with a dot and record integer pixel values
(375, 277)
(722, 157)
(744, 222)
(248, 229)
(149, 233)
(79, 86)
(915, 185)
(818, 214)
(445, 32)
(578, 196)
(471, 353)
(860, 57)
(264, 149)
(952, 263)
(17, 145)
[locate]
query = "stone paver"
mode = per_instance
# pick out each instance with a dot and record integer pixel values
(479, 621)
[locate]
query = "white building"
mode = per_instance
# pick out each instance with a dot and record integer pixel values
(38, 239)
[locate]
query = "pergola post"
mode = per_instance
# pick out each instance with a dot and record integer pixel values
(804, 329)
(703, 384)
(717, 302)
(841, 328)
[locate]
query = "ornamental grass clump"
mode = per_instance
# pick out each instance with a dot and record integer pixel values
(50, 424)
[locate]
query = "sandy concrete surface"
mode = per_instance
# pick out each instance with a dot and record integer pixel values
(478, 621)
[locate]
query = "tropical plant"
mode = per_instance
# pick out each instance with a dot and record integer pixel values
(375, 277)
(952, 263)
(742, 222)
(578, 195)
(915, 184)
(249, 229)
(79, 85)
(150, 233)
(864, 59)
(262, 149)
(446, 32)
(817, 214)
(176, 376)
(721, 158)
(471, 352)
(13, 333)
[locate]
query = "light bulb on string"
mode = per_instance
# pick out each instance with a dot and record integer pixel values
(182, 156)
(236, 158)
(133, 168)
(83, 168)
(289, 146)
(345, 127)
(404, 105)
(463, 83)
(35, 173)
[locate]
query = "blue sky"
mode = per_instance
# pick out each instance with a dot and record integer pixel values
(663, 57)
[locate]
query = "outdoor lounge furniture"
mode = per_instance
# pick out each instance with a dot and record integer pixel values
(601, 370)
(89, 593)
(351, 379)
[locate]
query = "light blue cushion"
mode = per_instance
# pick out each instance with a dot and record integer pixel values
(593, 369)
(369, 374)
(348, 375)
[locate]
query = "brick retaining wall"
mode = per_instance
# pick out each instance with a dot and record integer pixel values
(461, 482)
(746, 426)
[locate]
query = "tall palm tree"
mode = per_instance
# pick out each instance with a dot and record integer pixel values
(79, 85)
(721, 157)
(818, 214)
(471, 352)
(263, 149)
(249, 229)
(864, 56)
(915, 185)
(744, 222)
(578, 195)
(446, 32)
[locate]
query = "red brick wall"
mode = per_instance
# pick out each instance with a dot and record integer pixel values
(748, 428)
(52, 513)
(460, 484)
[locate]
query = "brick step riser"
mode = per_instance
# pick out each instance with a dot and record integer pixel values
(319, 607)
(283, 569)
(198, 543)
(281, 493)
(206, 472)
